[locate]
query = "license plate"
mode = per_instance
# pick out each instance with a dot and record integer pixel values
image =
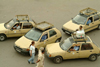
(18, 50)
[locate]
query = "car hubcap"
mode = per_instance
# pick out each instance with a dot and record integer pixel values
(93, 57)
(58, 60)
(2, 38)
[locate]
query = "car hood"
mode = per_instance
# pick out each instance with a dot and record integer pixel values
(54, 48)
(23, 42)
(70, 26)
(2, 28)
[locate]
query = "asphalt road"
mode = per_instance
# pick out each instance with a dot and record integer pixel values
(56, 12)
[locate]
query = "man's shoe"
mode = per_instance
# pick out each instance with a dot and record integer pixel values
(28, 62)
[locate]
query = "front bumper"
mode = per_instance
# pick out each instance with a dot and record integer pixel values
(66, 31)
(47, 54)
(21, 51)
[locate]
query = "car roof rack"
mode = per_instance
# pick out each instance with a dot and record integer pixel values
(22, 18)
(44, 26)
(81, 39)
(88, 11)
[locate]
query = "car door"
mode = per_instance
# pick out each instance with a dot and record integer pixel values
(52, 36)
(43, 42)
(26, 27)
(15, 32)
(72, 54)
(86, 50)
(89, 26)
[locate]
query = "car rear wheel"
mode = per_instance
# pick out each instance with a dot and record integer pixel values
(99, 26)
(93, 57)
(57, 59)
(2, 37)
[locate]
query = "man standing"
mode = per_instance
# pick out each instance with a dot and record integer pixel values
(32, 53)
(40, 61)
(80, 33)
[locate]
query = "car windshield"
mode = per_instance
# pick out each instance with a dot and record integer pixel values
(66, 43)
(9, 24)
(33, 34)
(79, 19)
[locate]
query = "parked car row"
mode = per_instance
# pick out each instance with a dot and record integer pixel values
(44, 34)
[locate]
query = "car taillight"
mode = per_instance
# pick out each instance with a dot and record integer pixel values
(50, 55)
(27, 50)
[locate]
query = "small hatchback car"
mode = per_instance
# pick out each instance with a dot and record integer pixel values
(88, 18)
(73, 48)
(44, 33)
(16, 27)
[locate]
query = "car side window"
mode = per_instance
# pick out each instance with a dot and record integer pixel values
(52, 33)
(89, 20)
(86, 46)
(44, 37)
(75, 47)
(96, 17)
(27, 25)
(17, 26)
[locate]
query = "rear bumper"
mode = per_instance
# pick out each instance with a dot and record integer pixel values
(20, 50)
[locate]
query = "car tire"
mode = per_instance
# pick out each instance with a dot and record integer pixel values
(2, 37)
(99, 27)
(57, 59)
(36, 51)
(58, 40)
(93, 57)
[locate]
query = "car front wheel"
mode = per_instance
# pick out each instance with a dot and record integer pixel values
(2, 37)
(57, 59)
(93, 57)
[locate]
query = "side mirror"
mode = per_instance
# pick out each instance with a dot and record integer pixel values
(11, 29)
(69, 51)
(87, 24)
(41, 40)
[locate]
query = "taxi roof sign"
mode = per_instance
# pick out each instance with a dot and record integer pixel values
(88, 11)
(22, 17)
(44, 25)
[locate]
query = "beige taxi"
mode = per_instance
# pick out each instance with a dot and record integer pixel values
(16, 27)
(88, 18)
(44, 33)
(73, 48)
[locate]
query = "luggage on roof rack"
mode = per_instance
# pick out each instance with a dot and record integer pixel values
(81, 39)
(88, 11)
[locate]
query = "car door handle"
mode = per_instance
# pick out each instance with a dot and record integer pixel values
(90, 51)
(77, 52)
